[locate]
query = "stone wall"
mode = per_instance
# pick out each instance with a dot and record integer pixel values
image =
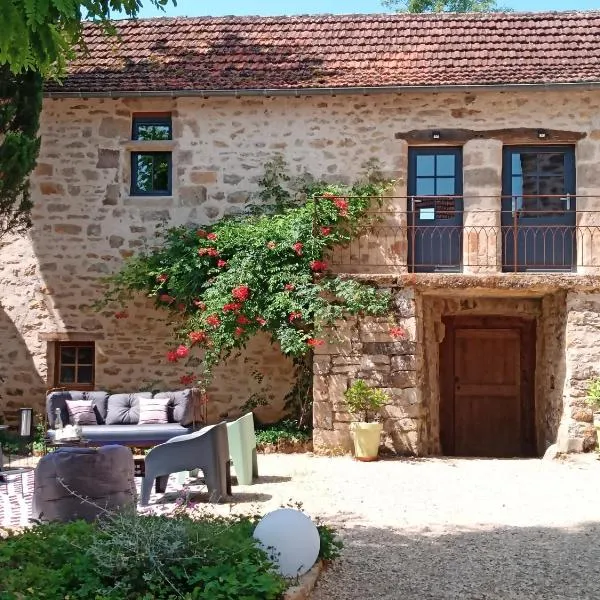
(85, 221)
(362, 348)
(582, 343)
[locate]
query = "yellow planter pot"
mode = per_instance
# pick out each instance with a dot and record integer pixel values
(366, 438)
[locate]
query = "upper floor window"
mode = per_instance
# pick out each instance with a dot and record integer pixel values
(74, 365)
(151, 170)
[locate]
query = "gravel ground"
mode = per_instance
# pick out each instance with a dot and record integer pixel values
(441, 529)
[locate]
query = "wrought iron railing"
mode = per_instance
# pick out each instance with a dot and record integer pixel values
(451, 234)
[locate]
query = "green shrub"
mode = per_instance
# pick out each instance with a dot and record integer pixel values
(129, 557)
(364, 400)
(331, 544)
(593, 394)
(284, 431)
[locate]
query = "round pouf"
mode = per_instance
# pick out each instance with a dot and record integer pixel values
(83, 483)
(291, 539)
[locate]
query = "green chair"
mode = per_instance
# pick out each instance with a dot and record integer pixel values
(242, 448)
(242, 451)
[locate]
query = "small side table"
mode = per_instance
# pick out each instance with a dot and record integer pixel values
(6, 473)
(77, 443)
(2, 428)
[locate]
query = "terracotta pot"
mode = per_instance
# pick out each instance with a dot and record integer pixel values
(366, 438)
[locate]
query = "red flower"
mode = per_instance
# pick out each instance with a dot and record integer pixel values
(166, 298)
(213, 320)
(288, 287)
(182, 351)
(239, 331)
(172, 356)
(201, 305)
(123, 314)
(221, 263)
(241, 293)
(197, 337)
(315, 342)
(295, 315)
(397, 332)
(211, 236)
(232, 307)
(201, 233)
(325, 230)
(162, 278)
(271, 245)
(342, 206)
(202, 251)
(318, 265)
(298, 248)
(187, 379)
(243, 320)
(213, 252)
(261, 321)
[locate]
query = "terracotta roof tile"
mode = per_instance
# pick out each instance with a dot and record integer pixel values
(326, 51)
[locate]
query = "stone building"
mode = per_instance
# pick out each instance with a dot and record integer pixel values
(490, 126)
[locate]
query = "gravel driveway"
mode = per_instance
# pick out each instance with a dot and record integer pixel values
(447, 528)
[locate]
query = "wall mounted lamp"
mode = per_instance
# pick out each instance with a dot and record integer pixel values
(542, 134)
(436, 135)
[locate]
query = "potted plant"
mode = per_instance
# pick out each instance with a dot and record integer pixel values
(365, 402)
(593, 400)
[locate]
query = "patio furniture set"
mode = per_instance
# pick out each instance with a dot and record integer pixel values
(171, 424)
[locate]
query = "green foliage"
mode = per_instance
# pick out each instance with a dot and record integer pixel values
(593, 394)
(284, 431)
(248, 273)
(20, 106)
(331, 544)
(436, 6)
(13, 444)
(362, 399)
(41, 35)
(133, 557)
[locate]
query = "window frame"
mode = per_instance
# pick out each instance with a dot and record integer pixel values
(158, 119)
(57, 365)
(135, 190)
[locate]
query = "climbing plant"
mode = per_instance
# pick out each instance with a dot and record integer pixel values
(256, 272)
(20, 106)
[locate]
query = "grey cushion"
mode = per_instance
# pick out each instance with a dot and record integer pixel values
(124, 409)
(144, 435)
(180, 409)
(81, 483)
(58, 399)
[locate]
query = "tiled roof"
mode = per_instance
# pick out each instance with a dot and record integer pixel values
(328, 51)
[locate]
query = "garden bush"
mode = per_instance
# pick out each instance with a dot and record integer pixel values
(129, 556)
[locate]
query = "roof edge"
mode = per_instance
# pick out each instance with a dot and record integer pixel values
(297, 92)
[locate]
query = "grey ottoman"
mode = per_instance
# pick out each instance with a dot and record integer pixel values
(83, 483)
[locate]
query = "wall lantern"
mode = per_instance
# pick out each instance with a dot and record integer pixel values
(542, 134)
(436, 135)
(26, 423)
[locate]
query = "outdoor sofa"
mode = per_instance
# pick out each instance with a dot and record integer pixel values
(137, 419)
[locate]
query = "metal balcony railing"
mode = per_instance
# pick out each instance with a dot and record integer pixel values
(451, 234)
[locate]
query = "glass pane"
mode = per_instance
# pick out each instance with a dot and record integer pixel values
(516, 186)
(425, 186)
(551, 164)
(552, 186)
(149, 131)
(85, 375)
(67, 375)
(516, 164)
(143, 164)
(161, 172)
(425, 165)
(67, 355)
(529, 164)
(446, 165)
(86, 355)
(445, 186)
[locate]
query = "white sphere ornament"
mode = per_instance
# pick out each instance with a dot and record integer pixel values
(291, 539)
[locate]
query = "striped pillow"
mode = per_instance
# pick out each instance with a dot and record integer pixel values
(153, 411)
(81, 412)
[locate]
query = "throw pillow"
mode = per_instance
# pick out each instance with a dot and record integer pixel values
(153, 411)
(124, 409)
(81, 412)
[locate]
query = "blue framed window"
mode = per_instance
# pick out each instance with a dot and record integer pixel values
(151, 172)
